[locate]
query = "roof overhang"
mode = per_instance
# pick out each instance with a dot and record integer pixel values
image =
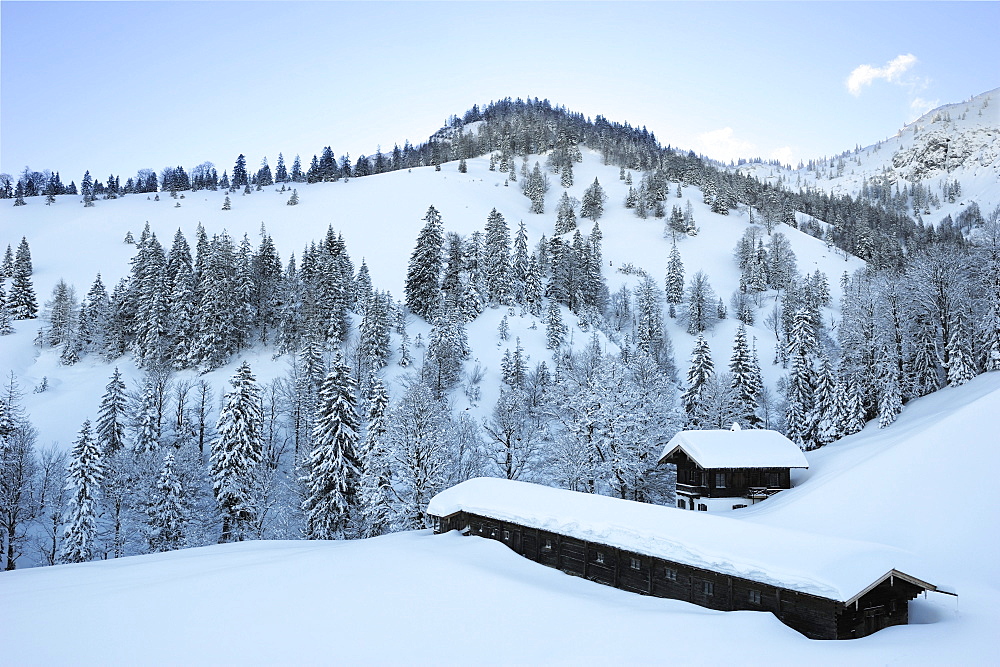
(896, 574)
(677, 448)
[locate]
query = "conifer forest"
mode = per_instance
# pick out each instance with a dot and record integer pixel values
(383, 400)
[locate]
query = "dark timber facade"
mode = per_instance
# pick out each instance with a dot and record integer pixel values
(882, 604)
(723, 470)
(748, 484)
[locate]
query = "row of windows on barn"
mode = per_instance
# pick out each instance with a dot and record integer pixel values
(670, 573)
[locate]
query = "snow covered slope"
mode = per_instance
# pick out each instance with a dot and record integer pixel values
(414, 598)
(923, 484)
(379, 217)
(956, 142)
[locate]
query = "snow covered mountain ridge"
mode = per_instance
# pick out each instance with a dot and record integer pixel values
(953, 139)
(957, 142)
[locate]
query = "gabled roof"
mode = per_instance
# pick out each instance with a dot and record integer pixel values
(833, 568)
(755, 448)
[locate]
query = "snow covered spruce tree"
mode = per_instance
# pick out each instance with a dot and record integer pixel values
(375, 494)
(747, 384)
(520, 265)
(961, 363)
(236, 452)
(111, 416)
(5, 317)
(593, 201)
(890, 401)
(21, 301)
(22, 258)
(167, 513)
(699, 376)
(825, 416)
(473, 300)
(454, 265)
(423, 277)
(333, 465)
(218, 327)
(147, 300)
(534, 187)
(147, 429)
(699, 311)
(497, 275)
(800, 389)
(675, 277)
(565, 215)
(96, 319)
(447, 350)
(83, 481)
(374, 348)
(650, 335)
(555, 329)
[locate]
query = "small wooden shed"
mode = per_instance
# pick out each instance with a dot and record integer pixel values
(722, 470)
(823, 587)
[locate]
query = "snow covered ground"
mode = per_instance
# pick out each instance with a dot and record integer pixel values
(415, 598)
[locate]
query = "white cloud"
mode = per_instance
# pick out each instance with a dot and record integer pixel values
(864, 75)
(722, 145)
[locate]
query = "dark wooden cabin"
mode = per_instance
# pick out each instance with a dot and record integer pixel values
(740, 467)
(494, 509)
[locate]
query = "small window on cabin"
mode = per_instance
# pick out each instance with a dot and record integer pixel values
(600, 557)
(773, 479)
(680, 504)
(708, 588)
(702, 507)
(506, 534)
(636, 564)
(548, 544)
(479, 527)
(720, 480)
(754, 596)
(493, 532)
(670, 574)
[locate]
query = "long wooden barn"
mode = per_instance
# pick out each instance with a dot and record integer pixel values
(823, 587)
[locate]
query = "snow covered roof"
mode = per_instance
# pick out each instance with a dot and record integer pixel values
(751, 448)
(815, 564)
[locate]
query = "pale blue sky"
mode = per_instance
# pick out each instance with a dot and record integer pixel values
(118, 86)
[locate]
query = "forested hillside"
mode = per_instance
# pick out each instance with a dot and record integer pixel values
(315, 351)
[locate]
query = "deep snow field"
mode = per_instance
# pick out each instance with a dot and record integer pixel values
(379, 217)
(415, 598)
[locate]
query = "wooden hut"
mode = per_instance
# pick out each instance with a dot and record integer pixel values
(823, 587)
(722, 470)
